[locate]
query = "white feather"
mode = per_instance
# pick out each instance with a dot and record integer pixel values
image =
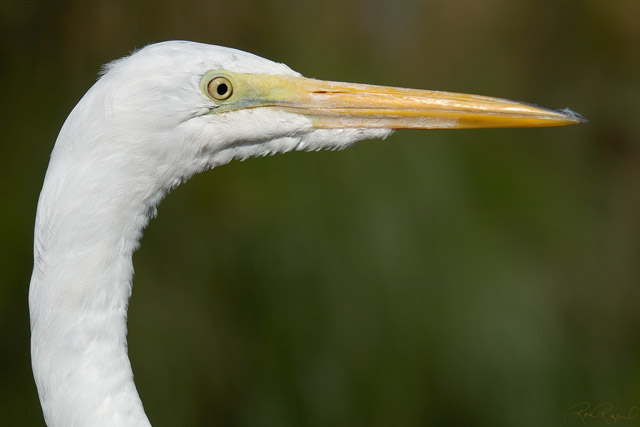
(141, 130)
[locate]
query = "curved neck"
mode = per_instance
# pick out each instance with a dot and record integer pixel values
(88, 224)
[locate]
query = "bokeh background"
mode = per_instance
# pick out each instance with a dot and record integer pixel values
(468, 278)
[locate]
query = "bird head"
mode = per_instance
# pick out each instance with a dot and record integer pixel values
(183, 107)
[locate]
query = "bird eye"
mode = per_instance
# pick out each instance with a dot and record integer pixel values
(220, 88)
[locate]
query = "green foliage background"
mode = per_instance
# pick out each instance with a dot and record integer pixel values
(468, 278)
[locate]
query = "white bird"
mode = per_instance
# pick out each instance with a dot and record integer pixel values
(153, 120)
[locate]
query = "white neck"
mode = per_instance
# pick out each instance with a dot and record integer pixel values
(114, 160)
(88, 224)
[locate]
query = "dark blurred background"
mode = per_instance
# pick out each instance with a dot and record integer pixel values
(468, 278)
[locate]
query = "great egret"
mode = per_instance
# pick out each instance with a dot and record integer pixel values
(154, 119)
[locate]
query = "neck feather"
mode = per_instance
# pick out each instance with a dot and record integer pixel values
(88, 224)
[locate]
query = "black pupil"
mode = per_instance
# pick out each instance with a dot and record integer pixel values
(222, 89)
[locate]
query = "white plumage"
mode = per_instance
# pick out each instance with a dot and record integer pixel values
(147, 125)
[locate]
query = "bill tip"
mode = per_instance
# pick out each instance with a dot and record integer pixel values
(573, 116)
